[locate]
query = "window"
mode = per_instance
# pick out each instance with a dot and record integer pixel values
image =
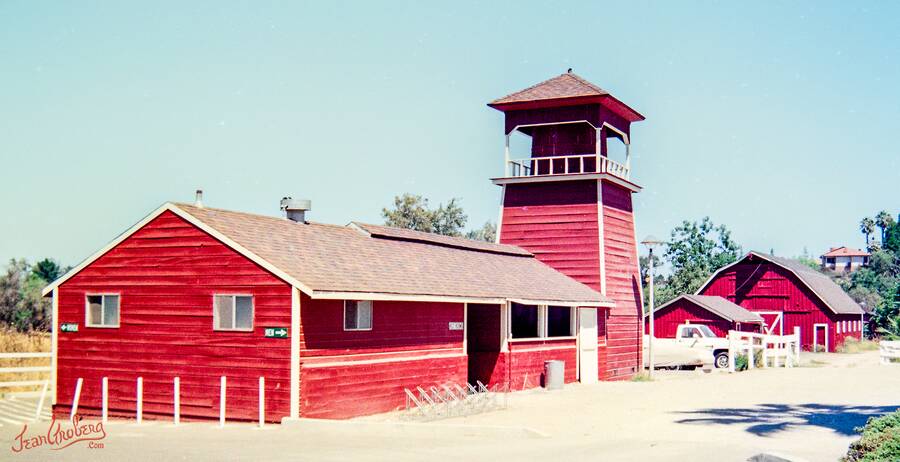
(559, 321)
(233, 312)
(838, 327)
(524, 320)
(689, 332)
(357, 315)
(102, 311)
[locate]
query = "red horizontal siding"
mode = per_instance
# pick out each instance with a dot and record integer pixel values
(355, 389)
(622, 285)
(526, 361)
(558, 223)
(166, 274)
(351, 373)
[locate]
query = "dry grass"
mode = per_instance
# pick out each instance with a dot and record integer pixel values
(642, 376)
(12, 341)
(853, 345)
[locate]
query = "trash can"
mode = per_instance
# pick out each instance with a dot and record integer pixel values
(554, 374)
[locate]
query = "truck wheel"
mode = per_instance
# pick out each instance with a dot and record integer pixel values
(722, 360)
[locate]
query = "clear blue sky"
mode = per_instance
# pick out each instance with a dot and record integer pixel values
(776, 119)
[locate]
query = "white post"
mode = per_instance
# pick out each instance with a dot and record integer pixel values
(105, 399)
(140, 399)
(75, 399)
(652, 317)
(262, 401)
(222, 402)
(40, 406)
(797, 344)
(627, 161)
(506, 157)
(731, 351)
(177, 391)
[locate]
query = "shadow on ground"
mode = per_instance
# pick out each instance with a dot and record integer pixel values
(768, 419)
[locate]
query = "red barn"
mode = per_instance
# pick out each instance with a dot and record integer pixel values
(719, 314)
(789, 294)
(569, 202)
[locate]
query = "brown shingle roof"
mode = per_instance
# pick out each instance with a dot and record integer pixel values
(449, 241)
(722, 307)
(330, 258)
(567, 85)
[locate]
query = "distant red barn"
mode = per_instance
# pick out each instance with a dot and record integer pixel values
(789, 294)
(719, 314)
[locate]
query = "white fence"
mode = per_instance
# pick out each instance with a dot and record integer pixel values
(889, 351)
(43, 382)
(781, 350)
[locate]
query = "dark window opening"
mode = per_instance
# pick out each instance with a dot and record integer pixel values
(524, 321)
(559, 321)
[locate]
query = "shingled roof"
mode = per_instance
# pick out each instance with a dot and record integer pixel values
(719, 306)
(567, 85)
(821, 285)
(332, 261)
(845, 252)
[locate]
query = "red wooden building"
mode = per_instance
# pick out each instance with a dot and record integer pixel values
(197, 293)
(340, 319)
(719, 314)
(570, 203)
(789, 294)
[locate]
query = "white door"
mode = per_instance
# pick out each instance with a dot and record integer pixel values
(587, 345)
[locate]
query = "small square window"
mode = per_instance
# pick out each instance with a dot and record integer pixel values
(357, 315)
(233, 312)
(102, 310)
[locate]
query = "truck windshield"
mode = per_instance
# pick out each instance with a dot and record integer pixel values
(706, 331)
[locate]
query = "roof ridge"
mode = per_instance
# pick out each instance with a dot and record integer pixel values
(258, 215)
(459, 242)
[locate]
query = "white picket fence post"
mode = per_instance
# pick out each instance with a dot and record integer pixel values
(140, 399)
(176, 414)
(222, 401)
(40, 406)
(262, 401)
(731, 350)
(105, 391)
(75, 399)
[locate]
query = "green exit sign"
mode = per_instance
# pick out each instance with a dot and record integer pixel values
(276, 332)
(68, 327)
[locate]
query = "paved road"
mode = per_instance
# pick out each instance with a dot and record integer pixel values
(808, 412)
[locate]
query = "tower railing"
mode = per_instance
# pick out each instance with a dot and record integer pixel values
(566, 165)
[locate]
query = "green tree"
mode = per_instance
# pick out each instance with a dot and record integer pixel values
(21, 304)
(695, 250)
(412, 211)
(449, 220)
(867, 227)
(884, 220)
(487, 233)
(892, 239)
(47, 269)
(808, 260)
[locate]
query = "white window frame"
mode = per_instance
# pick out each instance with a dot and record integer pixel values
(87, 310)
(543, 324)
(234, 313)
(371, 316)
(837, 327)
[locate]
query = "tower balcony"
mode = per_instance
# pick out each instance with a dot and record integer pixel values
(566, 165)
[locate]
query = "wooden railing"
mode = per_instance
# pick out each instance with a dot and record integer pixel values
(18, 371)
(783, 350)
(889, 351)
(566, 165)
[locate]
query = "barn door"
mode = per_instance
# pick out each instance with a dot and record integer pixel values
(774, 322)
(588, 356)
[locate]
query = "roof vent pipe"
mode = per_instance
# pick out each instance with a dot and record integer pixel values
(295, 209)
(198, 199)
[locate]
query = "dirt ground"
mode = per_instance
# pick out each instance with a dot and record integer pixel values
(808, 413)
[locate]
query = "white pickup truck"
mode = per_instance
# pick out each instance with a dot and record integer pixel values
(697, 336)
